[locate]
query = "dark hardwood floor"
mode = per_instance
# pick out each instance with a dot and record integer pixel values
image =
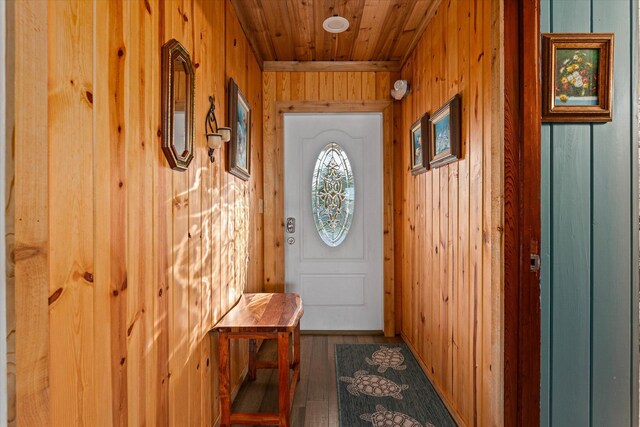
(315, 403)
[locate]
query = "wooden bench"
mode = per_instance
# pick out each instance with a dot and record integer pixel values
(262, 316)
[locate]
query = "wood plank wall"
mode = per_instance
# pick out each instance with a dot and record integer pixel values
(589, 211)
(311, 86)
(9, 210)
(4, 351)
(451, 222)
(123, 264)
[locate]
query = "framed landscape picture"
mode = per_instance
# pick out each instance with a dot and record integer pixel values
(240, 144)
(444, 131)
(418, 135)
(577, 77)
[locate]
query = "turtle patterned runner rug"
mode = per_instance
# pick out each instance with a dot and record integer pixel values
(382, 385)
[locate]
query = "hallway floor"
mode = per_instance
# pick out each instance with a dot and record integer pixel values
(315, 403)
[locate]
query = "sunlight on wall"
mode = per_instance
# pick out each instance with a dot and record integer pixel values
(188, 258)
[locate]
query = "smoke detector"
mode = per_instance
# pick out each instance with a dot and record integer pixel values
(335, 24)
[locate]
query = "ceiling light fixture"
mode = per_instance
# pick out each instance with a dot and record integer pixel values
(335, 24)
(400, 89)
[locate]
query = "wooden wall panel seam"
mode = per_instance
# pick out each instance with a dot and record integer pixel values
(5, 175)
(496, 135)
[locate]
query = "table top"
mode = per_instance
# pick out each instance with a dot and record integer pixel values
(263, 312)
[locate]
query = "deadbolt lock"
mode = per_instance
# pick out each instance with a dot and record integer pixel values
(291, 225)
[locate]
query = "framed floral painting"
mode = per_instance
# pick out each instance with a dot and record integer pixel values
(577, 77)
(418, 136)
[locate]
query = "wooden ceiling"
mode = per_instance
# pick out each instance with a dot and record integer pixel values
(291, 30)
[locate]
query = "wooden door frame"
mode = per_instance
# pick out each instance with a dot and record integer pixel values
(522, 213)
(3, 264)
(276, 182)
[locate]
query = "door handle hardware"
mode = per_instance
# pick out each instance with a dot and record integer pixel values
(291, 240)
(291, 225)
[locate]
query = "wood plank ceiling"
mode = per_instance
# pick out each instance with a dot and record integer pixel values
(384, 31)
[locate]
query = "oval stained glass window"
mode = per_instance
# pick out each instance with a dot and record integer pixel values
(332, 195)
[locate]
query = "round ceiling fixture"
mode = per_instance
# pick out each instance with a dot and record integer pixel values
(335, 24)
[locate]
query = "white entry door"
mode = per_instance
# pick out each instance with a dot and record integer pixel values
(333, 219)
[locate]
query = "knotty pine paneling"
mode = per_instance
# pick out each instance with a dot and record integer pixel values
(123, 265)
(450, 226)
(31, 252)
(379, 30)
(9, 207)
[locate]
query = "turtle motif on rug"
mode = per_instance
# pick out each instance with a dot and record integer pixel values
(384, 418)
(373, 385)
(386, 358)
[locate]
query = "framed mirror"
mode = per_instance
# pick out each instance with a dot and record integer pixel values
(178, 90)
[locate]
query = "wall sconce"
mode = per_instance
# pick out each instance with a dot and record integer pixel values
(400, 89)
(215, 135)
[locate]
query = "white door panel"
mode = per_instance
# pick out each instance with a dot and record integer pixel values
(321, 289)
(341, 286)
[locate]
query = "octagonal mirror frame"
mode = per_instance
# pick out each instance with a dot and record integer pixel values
(173, 92)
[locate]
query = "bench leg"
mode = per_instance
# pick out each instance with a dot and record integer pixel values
(296, 347)
(224, 380)
(251, 375)
(283, 378)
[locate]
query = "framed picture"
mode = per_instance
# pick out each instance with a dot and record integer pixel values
(418, 154)
(240, 144)
(577, 77)
(444, 132)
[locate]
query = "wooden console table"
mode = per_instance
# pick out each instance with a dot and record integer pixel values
(262, 316)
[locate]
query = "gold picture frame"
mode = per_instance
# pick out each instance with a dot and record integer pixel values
(577, 77)
(240, 123)
(418, 148)
(444, 144)
(178, 97)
